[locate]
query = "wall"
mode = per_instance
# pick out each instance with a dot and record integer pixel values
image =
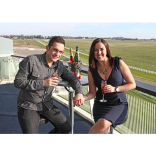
(6, 47)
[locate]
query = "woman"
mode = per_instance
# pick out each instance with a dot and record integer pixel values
(102, 66)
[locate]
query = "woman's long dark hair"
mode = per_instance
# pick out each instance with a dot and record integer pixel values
(92, 60)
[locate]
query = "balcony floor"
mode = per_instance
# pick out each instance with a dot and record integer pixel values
(8, 114)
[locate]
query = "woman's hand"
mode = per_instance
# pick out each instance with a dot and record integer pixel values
(109, 89)
(78, 100)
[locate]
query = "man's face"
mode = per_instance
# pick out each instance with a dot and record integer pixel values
(55, 52)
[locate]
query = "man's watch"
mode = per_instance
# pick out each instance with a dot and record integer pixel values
(117, 89)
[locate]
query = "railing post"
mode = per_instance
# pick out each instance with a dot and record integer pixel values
(71, 110)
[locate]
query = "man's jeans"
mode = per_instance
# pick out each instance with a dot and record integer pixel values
(29, 120)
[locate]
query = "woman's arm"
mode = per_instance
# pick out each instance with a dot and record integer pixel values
(92, 89)
(126, 73)
(130, 82)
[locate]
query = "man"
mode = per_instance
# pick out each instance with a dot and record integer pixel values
(36, 83)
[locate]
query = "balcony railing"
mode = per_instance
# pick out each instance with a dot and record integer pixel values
(141, 113)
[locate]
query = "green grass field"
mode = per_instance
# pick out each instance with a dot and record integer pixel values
(141, 54)
(29, 42)
(137, 53)
(134, 50)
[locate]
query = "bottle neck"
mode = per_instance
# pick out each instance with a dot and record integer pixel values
(71, 53)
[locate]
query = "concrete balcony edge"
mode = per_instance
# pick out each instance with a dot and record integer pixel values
(78, 110)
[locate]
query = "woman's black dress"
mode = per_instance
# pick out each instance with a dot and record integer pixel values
(116, 107)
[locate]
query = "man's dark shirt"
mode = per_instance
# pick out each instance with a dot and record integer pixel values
(29, 79)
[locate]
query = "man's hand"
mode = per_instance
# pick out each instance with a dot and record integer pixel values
(52, 81)
(78, 100)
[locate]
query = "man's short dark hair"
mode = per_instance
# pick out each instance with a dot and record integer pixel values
(58, 39)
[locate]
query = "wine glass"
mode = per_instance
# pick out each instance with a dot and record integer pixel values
(55, 74)
(103, 83)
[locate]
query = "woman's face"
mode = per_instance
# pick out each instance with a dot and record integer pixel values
(100, 51)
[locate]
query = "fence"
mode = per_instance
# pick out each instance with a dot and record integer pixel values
(8, 67)
(141, 117)
(143, 70)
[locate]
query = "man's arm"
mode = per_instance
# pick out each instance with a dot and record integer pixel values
(21, 79)
(74, 82)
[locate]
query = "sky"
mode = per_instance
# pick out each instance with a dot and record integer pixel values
(86, 18)
(92, 29)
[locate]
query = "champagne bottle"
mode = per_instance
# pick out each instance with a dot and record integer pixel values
(71, 56)
(78, 63)
(77, 56)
